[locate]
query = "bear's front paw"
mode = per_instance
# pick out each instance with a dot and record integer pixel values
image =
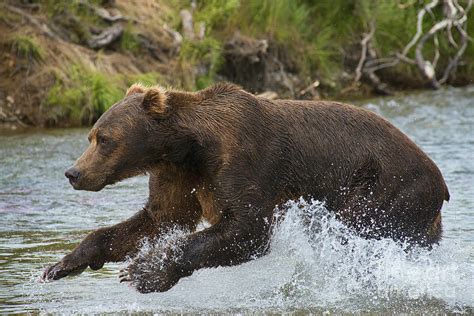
(72, 264)
(62, 269)
(148, 276)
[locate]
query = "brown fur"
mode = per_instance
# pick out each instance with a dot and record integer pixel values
(230, 157)
(136, 88)
(154, 101)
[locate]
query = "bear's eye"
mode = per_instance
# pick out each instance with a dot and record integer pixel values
(102, 140)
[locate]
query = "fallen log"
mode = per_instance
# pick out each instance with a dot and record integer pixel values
(103, 13)
(106, 37)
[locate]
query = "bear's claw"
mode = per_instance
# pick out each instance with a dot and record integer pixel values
(124, 276)
(61, 270)
(147, 277)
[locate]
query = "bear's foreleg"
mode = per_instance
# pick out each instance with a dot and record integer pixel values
(109, 244)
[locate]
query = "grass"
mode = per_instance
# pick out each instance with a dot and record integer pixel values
(206, 52)
(129, 41)
(215, 13)
(59, 7)
(81, 95)
(318, 39)
(27, 47)
(148, 79)
(73, 16)
(318, 35)
(7, 17)
(305, 30)
(84, 96)
(282, 20)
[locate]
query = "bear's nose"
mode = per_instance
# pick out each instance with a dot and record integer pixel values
(73, 175)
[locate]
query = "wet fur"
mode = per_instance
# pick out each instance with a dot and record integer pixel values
(230, 157)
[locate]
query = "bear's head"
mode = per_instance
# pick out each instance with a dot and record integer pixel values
(127, 140)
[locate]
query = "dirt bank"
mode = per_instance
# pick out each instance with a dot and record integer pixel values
(63, 63)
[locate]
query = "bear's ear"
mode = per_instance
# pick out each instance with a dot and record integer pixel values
(154, 101)
(135, 88)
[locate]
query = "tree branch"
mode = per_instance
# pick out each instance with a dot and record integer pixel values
(363, 55)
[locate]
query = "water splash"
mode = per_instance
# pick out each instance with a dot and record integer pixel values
(315, 264)
(334, 268)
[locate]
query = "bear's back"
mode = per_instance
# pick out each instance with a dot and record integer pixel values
(341, 139)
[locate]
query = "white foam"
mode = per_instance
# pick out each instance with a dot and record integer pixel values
(307, 269)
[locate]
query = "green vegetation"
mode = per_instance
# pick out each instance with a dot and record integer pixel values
(319, 35)
(74, 16)
(312, 34)
(84, 96)
(206, 52)
(148, 79)
(7, 17)
(129, 41)
(76, 7)
(214, 13)
(27, 47)
(308, 40)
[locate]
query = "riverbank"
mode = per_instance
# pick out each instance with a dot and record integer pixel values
(63, 63)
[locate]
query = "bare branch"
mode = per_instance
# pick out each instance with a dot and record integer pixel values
(419, 26)
(454, 62)
(425, 66)
(454, 17)
(436, 56)
(363, 54)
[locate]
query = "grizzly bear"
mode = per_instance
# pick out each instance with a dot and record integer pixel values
(230, 157)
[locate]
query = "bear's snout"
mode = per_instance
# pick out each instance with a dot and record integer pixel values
(73, 175)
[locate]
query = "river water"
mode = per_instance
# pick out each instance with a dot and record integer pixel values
(307, 269)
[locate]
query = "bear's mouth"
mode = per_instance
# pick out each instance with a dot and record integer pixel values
(75, 184)
(72, 183)
(84, 184)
